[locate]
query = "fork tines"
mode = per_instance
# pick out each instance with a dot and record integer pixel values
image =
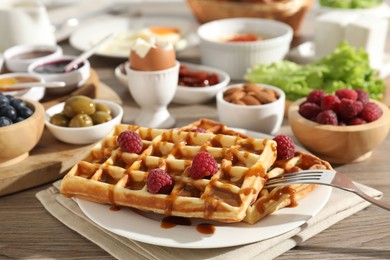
(302, 177)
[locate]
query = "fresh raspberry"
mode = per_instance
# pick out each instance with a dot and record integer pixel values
(346, 93)
(285, 147)
(309, 110)
(129, 141)
(198, 130)
(203, 164)
(371, 112)
(362, 96)
(159, 181)
(315, 96)
(327, 117)
(330, 102)
(349, 108)
(357, 121)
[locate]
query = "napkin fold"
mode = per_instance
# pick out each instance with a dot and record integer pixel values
(340, 205)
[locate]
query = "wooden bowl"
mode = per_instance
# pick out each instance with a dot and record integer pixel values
(17, 140)
(291, 12)
(339, 144)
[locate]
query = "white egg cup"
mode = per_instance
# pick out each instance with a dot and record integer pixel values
(153, 91)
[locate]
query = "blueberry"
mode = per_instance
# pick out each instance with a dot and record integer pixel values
(5, 121)
(3, 100)
(18, 119)
(8, 111)
(25, 112)
(17, 103)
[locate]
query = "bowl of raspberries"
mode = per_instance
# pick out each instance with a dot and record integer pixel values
(21, 127)
(342, 127)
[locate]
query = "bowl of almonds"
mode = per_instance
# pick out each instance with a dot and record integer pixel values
(257, 107)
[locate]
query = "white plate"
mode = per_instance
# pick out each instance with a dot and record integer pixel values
(305, 53)
(88, 34)
(145, 227)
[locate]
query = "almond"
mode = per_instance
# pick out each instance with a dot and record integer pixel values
(232, 90)
(249, 87)
(238, 102)
(235, 95)
(265, 97)
(250, 100)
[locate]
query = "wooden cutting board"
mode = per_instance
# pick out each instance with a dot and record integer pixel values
(51, 158)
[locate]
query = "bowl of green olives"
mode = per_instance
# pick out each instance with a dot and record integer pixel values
(82, 120)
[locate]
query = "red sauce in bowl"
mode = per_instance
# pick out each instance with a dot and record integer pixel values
(191, 78)
(248, 37)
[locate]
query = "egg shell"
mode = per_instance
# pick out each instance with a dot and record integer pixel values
(155, 59)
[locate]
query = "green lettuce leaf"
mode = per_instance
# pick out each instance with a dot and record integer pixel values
(345, 67)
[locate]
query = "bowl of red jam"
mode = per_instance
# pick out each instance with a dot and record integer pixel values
(19, 57)
(54, 70)
(199, 84)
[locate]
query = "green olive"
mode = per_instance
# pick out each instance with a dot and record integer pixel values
(59, 119)
(79, 105)
(81, 120)
(102, 107)
(100, 117)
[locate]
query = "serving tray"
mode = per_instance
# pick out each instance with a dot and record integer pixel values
(50, 159)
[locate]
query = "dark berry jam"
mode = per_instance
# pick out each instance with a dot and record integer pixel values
(55, 67)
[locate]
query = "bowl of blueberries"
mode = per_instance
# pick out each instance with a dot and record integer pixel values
(21, 126)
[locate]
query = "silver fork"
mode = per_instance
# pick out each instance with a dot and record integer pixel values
(323, 177)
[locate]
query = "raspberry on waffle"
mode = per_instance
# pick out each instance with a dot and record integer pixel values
(110, 175)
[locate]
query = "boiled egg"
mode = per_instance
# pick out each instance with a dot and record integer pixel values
(152, 55)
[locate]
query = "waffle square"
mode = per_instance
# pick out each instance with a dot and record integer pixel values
(109, 175)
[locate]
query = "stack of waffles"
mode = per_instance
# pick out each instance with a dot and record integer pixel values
(235, 193)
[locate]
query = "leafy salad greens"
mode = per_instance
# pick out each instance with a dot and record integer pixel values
(347, 4)
(345, 67)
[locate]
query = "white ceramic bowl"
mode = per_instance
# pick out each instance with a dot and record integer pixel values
(73, 79)
(21, 92)
(17, 59)
(84, 135)
(195, 95)
(236, 57)
(265, 118)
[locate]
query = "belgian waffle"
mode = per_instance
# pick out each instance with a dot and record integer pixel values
(109, 175)
(271, 200)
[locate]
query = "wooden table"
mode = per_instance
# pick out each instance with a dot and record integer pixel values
(28, 231)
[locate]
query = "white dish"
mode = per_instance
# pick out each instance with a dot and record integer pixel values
(35, 93)
(305, 53)
(145, 227)
(86, 35)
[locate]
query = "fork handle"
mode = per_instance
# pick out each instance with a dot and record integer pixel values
(379, 203)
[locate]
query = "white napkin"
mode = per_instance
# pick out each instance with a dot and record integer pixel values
(341, 205)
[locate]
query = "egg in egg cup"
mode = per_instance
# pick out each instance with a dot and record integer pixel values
(152, 75)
